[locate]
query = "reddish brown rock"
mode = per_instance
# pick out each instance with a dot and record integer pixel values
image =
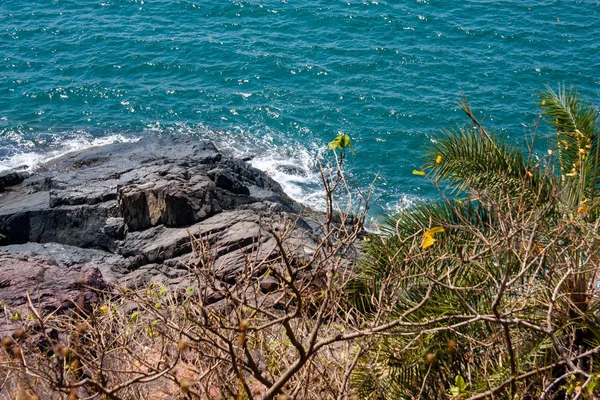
(50, 286)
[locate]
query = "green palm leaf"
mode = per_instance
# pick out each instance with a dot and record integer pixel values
(576, 126)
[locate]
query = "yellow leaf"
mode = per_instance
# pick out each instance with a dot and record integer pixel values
(428, 240)
(438, 159)
(543, 102)
(435, 229)
(341, 142)
(417, 172)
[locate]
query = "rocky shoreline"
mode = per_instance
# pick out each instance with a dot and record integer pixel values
(123, 213)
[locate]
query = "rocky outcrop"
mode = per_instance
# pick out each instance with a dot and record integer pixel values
(123, 213)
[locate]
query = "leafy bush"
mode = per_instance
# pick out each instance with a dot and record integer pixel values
(491, 292)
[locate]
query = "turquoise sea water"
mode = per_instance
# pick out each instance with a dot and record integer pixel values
(279, 79)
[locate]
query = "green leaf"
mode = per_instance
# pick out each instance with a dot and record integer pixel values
(134, 317)
(460, 387)
(576, 124)
(341, 142)
(592, 385)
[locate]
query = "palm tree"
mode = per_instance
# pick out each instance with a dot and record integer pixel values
(495, 285)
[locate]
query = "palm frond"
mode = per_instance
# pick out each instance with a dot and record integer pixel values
(386, 254)
(576, 126)
(468, 160)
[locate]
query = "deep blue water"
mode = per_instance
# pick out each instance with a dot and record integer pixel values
(279, 79)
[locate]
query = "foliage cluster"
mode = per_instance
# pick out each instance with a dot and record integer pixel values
(503, 303)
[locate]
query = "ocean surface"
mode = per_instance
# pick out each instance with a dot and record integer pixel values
(277, 80)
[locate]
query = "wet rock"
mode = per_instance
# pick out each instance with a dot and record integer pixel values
(225, 180)
(172, 203)
(80, 198)
(290, 169)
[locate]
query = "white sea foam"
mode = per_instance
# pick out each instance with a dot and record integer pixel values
(29, 160)
(296, 173)
(405, 201)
